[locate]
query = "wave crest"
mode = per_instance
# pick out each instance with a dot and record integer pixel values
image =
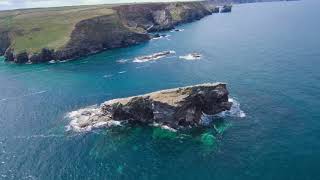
(235, 110)
(87, 119)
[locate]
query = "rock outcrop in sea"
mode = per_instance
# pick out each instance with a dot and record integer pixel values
(177, 108)
(226, 9)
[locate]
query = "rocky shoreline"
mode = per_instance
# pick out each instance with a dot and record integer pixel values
(176, 109)
(129, 25)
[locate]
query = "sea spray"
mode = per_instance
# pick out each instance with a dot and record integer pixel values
(162, 133)
(82, 121)
(235, 110)
(191, 57)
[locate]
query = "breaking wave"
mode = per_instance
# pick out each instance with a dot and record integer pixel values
(191, 57)
(83, 120)
(58, 61)
(90, 118)
(121, 72)
(177, 30)
(122, 61)
(161, 37)
(235, 111)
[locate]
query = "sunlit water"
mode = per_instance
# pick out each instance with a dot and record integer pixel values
(268, 53)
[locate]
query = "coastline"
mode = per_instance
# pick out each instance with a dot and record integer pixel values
(108, 28)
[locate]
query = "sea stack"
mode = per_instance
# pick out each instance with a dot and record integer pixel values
(177, 108)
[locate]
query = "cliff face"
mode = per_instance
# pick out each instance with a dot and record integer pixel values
(98, 34)
(157, 17)
(126, 25)
(175, 108)
(4, 41)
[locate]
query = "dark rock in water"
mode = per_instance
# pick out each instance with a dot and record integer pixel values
(216, 10)
(21, 58)
(156, 36)
(9, 55)
(176, 108)
(226, 9)
(154, 56)
(159, 35)
(44, 56)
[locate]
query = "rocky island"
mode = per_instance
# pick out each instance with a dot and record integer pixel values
(41, 35)
(177, 108)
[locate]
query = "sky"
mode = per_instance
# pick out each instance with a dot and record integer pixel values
(18, 4)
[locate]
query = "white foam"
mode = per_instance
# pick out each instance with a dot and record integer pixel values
(87, 119)
(177, 30)
(39, 92)
(62, 61)
(235, 110)
(161, 37)
(121, 72)
(122, 61)
(164, 127)
(108, 76)
(190, 57)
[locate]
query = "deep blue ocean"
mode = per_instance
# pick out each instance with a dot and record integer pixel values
(268, 53)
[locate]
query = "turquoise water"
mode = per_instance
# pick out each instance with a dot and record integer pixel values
(268, 53)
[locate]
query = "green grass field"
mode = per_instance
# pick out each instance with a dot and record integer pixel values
(34, 29)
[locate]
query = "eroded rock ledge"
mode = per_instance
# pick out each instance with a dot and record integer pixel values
(175, 108)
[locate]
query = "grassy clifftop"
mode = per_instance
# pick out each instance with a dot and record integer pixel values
(33, 29)
(38, 35)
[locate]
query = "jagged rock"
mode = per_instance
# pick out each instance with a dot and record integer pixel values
(21, 58)
(216, 10)
(226, 9)
(176, 108)
(9, 55)
(4, 41)
(44, 56)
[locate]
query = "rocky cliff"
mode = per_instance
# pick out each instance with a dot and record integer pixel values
(4, 41)
(97, 29)
(174, 108)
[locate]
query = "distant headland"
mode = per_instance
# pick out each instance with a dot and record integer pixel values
(63, 33)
